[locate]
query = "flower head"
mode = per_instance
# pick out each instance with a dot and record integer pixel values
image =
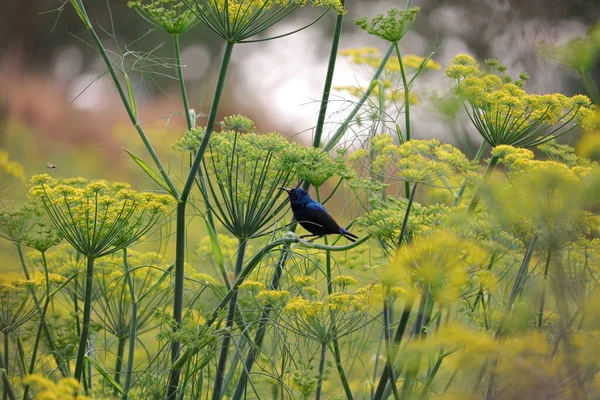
(391, 27)
(172, 16)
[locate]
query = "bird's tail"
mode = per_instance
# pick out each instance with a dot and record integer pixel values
(348, 235)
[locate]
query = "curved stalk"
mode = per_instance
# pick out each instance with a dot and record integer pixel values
(87, 312)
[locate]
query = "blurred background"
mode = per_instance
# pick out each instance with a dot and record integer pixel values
(57, 106)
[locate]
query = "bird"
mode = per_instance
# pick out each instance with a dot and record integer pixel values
(313, 217)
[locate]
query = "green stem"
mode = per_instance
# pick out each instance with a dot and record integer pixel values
(590, 86)
(388, 344)
(212, 117)
(337, 32)
(132, 327)
(21, 351)
(38, 335)
(87, 312)
(541, 310)
(337, 136)
(321, 369)
(406, 93)
(6, 365)
(47, 334)
(336, 346)
(7, 387)
(220, 373)
(78, 5)
(461, 191)
(180, 228)
(119, 363)
(262, 326)
(387, 372)
(486, 175)
(407, 214)
(522, 274)
(184, 98)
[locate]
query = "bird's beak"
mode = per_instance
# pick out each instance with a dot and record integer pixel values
(286, 189)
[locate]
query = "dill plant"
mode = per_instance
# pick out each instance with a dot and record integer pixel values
(97, 220)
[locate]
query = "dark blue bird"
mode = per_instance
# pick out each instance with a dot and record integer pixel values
(313, 217)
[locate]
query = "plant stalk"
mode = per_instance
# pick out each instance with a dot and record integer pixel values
(132, 328)
(321, 369)
(486, 175)
(87, 312)
(220, 373)
(184, 98)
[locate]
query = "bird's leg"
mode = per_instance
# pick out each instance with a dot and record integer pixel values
(307, 236)
(317, 237)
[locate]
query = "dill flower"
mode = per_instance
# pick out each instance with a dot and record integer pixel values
(17, 305)
(344, 281)
(440, 262)
(238, 20)
(172, 16)
(385, 220)
(422, 161)
(503, 113)
(252, 286)
(97, 219)
(64, 389)
(16, 223)
(273, 297)
(315, 318)
(391, 27)
(10, 168)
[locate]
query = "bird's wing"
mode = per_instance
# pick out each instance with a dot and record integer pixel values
(319, 215)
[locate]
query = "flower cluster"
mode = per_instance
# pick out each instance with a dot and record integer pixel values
(503, 113)
(172, 16)
(98, 218)
(391, 27)
(440, 262)
(64, 389)
(422, 161)
(244, 171)
(237, 20)
(11, 168)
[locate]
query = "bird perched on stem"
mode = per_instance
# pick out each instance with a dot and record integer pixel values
(313, 217)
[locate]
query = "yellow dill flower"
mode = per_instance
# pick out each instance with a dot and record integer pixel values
(503, 113)
(304, 281)
(273, 297)
(45, 389)
(589, 145)
(238, 20)
(97, 219)
(343, 281)
(252, 286)
(11, 168)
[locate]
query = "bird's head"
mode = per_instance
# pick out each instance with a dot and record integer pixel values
(296, 193)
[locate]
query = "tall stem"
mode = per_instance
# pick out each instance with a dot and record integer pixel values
(122, 341)
(262, 327)
(180, 225)
(406, 93)
(47, 334)
(461, 191)
(387, 372)
(184, 98)
(337, 136)
(321, 369)
(542, 300)
(41, 325)
(6, 365)
(220, 373)
(87, 312)
(80, 9)
(337, 32)
(132, 327)
(388, 343)
(486, 175)
(8, 389)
